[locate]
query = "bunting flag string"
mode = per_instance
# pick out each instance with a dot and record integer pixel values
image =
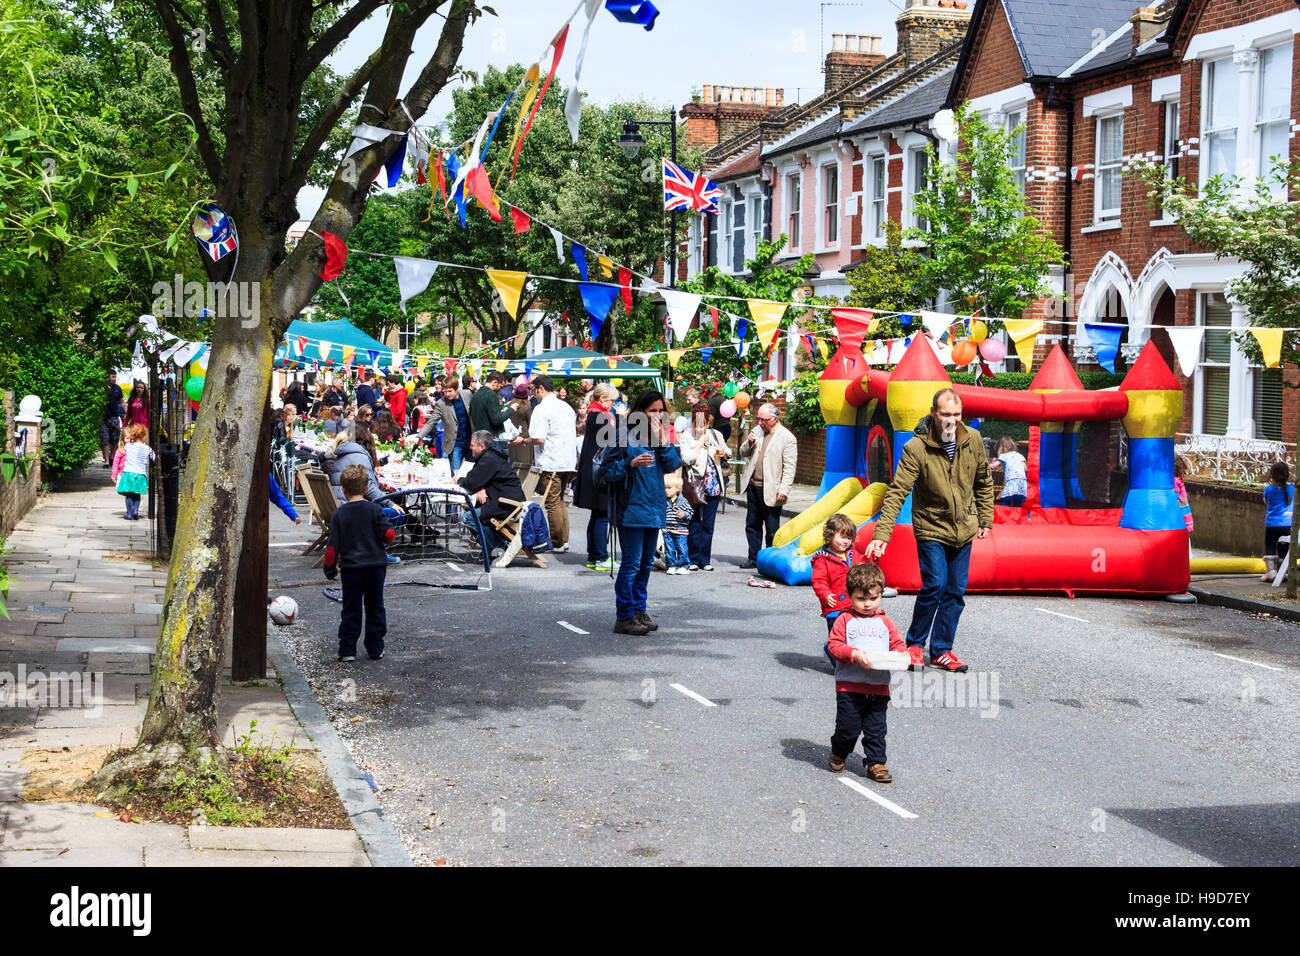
(413, 276)
(1187, 346)
(625, 284)
(597, 299)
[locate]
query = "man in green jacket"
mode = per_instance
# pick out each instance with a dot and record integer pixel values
(945, 469)
(487, 414)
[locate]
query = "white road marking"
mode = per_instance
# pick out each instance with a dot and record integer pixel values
(284, 544)
(568, 626)
(692, 695)
(872, 795)
(1069, 617)
(1242, 660)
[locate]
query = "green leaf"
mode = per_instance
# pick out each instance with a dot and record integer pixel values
(110, 257)
(171, 170)
(132, 184)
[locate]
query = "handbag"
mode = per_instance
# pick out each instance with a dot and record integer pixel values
(693, 489)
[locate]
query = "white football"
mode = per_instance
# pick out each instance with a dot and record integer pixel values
(283, 610)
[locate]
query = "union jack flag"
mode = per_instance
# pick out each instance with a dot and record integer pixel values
(212, 229)
(686, 190)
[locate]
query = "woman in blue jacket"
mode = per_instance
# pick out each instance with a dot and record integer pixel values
(634, 472)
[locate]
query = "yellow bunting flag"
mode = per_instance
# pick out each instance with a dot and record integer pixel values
(606, 265)
(612, 362)
(543, 368)
(675, 356)
(821, 348)
(348, 352)
(509, 286)
(767, 318)
(420, 362)
(586, 363)
(872, 326)
(501, 365)
(1024, 333)
(1270, 343)
(533, 78)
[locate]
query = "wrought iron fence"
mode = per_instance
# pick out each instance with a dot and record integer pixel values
(1225, 458)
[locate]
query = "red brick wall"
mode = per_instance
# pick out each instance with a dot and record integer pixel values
(995, 62)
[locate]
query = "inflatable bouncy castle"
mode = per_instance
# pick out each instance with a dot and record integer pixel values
(1100, 515)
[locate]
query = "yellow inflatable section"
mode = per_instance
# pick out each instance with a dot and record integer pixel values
(1227, 565)
(859, 508)
(820, 510)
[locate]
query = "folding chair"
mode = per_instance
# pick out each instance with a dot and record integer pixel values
(529, 482)
(509, 528)
(323, 504)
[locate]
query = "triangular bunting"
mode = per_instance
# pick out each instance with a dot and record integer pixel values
(706, 354)
(559, 244)
(675, 356)
(597, 298)
(853, 326)
(767, 317)
(579, 253)
(625, 283)
(523, 222)
(348, 352)
(606, 266)
(1105, 337)
(336, 254)
(413, 276)
(1186, 341)
(509, 286)
(420, 362)
(936, 323)
(682, 307)
(1024, 333)
(586, 363)
(1270, 343)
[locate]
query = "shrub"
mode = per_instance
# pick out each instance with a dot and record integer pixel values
(72, 388)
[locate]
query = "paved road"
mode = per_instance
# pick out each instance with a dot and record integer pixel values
(1093, 732)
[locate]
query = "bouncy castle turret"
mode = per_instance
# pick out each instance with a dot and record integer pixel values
(847, 365)
(1155, 410)
(1058, 442)
(909, 396)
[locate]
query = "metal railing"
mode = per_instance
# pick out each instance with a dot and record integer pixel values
(1224, 458)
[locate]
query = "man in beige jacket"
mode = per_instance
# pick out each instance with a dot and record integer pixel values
(767, 479)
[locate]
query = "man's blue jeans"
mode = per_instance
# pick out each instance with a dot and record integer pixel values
(474, 520)
(942, 596)
(456, 457)
(634, 573)
(598, 537)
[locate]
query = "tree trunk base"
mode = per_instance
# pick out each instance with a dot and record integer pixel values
(167, 767)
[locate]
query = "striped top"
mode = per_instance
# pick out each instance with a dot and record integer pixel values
(950, 447)
(137, 456)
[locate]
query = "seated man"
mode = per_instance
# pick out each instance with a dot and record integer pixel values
(490, 480)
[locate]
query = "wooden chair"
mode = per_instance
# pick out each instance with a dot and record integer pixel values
(320, 498)
(509, 528)
(529, 482)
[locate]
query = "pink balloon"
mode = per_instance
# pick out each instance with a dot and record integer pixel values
(993, 350)
(521, 380)
(728, 408)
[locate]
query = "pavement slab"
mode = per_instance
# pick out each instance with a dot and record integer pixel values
(59, 825)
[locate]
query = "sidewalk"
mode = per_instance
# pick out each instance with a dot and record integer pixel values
(85, 600)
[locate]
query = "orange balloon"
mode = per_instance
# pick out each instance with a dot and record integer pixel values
(742, 400)
(964, 352)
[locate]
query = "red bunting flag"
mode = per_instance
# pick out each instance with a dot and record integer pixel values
(558, 45)
(522, 221)
(625, 282)
(448, 366)
(479, 186)
(714, 313)
(336, 254)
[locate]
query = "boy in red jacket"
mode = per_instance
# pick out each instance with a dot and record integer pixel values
(861, 693)
(830, 566)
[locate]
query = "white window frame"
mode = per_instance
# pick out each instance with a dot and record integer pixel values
(1264, 163)
(735, 228)
(754, 224)
(1210, 69)
(879, 211)
(1102, 214)
(917, 160)
(794, 208)
(830, 218)
(1016, 120)
(408, 330)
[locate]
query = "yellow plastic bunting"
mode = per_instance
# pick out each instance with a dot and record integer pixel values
(767, 318)
(543, 368)
(586, 363)
(509, 286)
(1270, 343)
(821, 348)
(1024, 333)
(348, 352)
(534, 79)
(420, 362)
(501, 365)
(675, 356)
(606, 266)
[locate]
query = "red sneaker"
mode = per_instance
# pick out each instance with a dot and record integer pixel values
(948, 661)
(918, 657)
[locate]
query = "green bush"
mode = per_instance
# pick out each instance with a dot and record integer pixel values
(72, 387)
(804, 413)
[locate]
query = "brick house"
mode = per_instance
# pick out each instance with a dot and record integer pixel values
(1203, 87)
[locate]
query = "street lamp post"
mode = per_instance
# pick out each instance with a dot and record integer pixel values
(631, 141)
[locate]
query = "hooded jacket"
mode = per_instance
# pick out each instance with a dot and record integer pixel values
(951, 500)
(345, 454)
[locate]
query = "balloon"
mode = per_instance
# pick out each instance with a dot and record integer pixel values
(742, 400)
(978, 331)
(521, 380)
(993, 350)
(194, 388)
(616, 382)
(727, 409)
(963, 352)
(730, 390)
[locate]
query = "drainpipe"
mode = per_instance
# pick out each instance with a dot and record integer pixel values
(1055, 102)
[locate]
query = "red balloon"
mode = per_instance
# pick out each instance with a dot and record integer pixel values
(964, 352)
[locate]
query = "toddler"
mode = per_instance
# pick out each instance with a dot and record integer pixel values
(679, 517)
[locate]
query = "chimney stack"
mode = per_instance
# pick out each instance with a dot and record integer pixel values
(1148, 23)
(927, 26)
(852, 55)
(725, 111)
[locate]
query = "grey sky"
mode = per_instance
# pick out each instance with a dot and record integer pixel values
(759, 43)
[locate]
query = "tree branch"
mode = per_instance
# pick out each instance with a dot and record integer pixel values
(350, 90)
(238, 81)
(220, 39)
(337, 32)
(179, 57)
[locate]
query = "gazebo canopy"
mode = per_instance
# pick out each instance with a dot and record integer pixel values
(325, 342)
(575, 361)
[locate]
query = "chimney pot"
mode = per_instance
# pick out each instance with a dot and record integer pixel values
(837, 42)
(851, 43)
(708, 92)
(770, 96)
(780, 97)
(875, 45)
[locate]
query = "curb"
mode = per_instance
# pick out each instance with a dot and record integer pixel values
(378, 837)
(1283, 611)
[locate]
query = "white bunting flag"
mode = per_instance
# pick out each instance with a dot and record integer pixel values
(682, 307)
(364, 135)
(559, 244)
(1187, 346)
(413, 276)
(573, 104)
(936, 323)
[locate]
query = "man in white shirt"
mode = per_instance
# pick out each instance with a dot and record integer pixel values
(553, 431)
